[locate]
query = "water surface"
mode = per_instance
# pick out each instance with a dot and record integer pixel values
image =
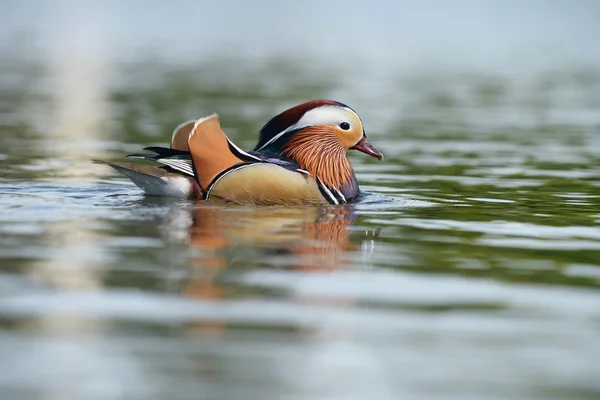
(469, 270)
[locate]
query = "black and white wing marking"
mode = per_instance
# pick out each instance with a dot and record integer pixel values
(176, 159)
(181, 160)
(332, 194)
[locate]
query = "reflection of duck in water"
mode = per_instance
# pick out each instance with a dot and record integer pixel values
(300, 159)
(295, 238)
(307, 236)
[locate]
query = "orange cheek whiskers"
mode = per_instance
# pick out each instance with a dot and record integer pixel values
(320, 153)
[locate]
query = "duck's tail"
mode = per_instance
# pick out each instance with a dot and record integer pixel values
(211, 152)
(156, 181)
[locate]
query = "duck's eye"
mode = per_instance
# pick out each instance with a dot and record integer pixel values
(345, 126)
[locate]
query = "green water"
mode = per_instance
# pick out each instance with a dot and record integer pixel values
(471, 269)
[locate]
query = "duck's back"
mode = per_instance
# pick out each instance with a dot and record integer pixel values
(226, 172)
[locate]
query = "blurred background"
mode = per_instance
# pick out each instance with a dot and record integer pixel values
(470, 269)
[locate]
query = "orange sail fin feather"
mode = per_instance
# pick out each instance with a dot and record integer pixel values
(210, 150)
(300, 159)
(181, 134)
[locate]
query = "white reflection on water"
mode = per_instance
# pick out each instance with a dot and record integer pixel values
(77, 75)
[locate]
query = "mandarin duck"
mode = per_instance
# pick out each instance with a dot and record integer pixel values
(300, 159)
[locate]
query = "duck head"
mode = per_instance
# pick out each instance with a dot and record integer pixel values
(317, 135)
(326, 125)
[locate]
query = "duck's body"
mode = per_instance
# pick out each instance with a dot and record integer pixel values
(300, 159)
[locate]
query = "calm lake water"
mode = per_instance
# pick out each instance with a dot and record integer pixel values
(469, 270)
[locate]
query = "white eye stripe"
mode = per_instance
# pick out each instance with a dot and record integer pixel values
(324, 115)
